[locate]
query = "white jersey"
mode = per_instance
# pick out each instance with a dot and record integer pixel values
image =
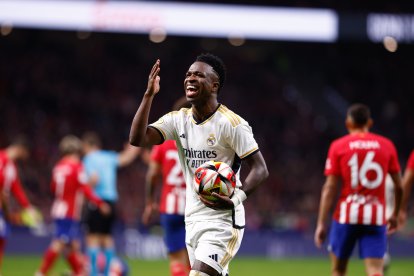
(224, 137)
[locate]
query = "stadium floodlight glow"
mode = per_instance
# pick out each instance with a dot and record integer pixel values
(399, 27)
(206, 20)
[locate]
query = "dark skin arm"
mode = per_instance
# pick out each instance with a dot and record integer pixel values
(329, 191)
(140, 134)
(257, 175)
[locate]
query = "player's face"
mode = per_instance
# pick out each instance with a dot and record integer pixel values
(22, 153)
(200, 82)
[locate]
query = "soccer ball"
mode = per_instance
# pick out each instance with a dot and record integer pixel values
(215, 177)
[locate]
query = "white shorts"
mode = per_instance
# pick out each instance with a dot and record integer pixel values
(213, 243)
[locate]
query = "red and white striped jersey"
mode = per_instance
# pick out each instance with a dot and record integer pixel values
(10, 181)
(362, 161)
(69, 186)
(173, 188)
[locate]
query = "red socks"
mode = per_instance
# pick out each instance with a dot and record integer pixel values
(48, 260)
(2, 243)
(75, 262)
(178, 269)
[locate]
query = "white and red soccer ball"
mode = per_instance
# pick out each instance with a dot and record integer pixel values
(213, 176)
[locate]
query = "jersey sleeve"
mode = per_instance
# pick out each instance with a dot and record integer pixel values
(13, 185)
(114, 157)
(332, 161)
(394, 166)
(242, 140)
(19, 194)
(90, 195)
(165, 126)
(89, 166)
(82, 177)
(410, 163)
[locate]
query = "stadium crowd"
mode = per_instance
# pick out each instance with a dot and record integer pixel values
(293, 95)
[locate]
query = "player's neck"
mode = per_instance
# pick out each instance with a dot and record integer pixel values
(204, 111)
(72, 157)
(91, 149)
(358, 130)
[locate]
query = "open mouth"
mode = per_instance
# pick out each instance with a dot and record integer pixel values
(191, 90)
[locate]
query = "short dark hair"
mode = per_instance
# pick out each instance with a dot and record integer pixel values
(92, 138)
(217, 64)
(359, 113)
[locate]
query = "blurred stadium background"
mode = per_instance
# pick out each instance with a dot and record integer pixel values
(293, 68)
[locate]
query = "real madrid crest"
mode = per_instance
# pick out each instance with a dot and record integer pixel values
(211, 140)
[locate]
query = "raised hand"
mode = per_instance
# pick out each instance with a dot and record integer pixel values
(154, 79)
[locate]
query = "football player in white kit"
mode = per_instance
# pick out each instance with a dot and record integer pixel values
(206, 131)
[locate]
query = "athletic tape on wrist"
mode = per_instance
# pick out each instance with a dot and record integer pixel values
(238, 197)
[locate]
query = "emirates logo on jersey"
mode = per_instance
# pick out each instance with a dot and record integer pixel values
(211, 140)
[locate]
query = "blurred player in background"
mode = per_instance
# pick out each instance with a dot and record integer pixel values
(69, 186)
(207, 131)
(407, 186)
(101, 167)
(361, 160)
(164, 162)
(10, 184)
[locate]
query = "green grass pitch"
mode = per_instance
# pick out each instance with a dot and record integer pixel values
(241, 266)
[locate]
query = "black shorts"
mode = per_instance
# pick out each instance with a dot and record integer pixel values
(96, 222)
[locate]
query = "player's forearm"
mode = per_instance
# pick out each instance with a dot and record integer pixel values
(407, 185)
(257, 175)
(254, 179)
(90, 195)
(398, 194)
(128, 155)
(19, 194)
(327, 200)
(149, 190)
(140, 122)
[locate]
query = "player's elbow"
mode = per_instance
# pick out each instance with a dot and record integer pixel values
(264, 173)
(134, 141)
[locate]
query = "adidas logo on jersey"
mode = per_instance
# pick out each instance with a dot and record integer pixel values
(182, 135)
(214, 257)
